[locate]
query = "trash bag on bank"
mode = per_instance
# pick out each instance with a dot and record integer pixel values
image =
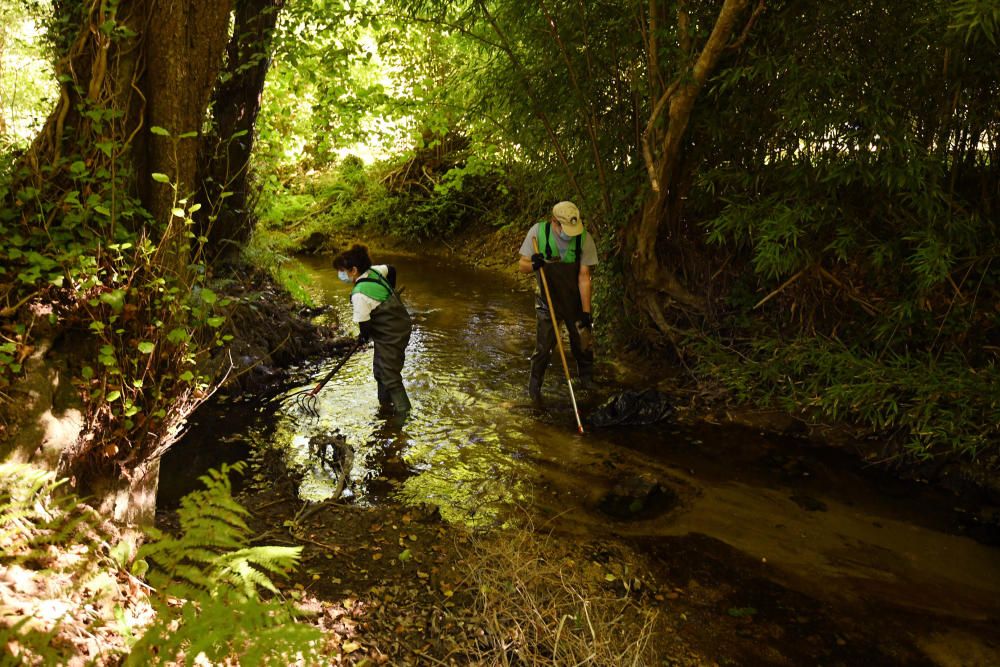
(633, 408)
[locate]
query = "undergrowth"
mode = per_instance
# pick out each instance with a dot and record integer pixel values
(429, 193)
(931, 407)
(75, 588)
(543, 606)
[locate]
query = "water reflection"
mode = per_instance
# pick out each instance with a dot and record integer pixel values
(463, 447)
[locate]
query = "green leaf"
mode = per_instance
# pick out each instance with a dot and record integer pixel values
(113, 396)
(187, 376)
(87, 372)
(178, 212)
(742, 612)
(208, 296)
(177, 336)
(115, 299)
(157, 130)
(215, 322)
(160, 178)
(146, 347)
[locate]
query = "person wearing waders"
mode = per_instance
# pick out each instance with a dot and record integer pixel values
(568, 254)
(381, 318)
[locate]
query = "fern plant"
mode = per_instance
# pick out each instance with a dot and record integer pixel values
(218, 577)
(207, 582)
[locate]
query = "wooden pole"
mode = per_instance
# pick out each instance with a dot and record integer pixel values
(555, 325)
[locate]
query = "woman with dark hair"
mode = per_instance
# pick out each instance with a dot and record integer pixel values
(381, 318)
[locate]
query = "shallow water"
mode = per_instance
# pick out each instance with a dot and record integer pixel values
(475, 448)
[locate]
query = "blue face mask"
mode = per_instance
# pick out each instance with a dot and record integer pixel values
(564, 236)
(343, 276)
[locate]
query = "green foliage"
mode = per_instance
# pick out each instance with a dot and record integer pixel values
(213, 555)
(429, 193)
(937, 407)
(207, 581)
(27, 81)
(137, 287)
(212, 566)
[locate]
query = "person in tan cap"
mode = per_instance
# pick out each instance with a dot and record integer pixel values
(568, 254)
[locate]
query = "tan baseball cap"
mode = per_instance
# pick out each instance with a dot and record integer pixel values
(568, 216)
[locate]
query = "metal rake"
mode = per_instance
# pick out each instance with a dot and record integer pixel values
(305, 400)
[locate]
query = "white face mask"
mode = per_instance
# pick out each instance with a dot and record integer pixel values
(343, 276)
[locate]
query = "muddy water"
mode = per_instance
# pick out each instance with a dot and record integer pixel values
(474, 447)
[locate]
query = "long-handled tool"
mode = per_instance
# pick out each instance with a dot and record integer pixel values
(555, 325)
(305, 399)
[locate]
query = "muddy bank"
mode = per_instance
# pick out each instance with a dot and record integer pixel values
(272, 334)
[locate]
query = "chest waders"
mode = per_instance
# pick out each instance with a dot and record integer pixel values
(563, 276)
(390, 327)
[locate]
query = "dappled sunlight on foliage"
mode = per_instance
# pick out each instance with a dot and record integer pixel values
(73, 586)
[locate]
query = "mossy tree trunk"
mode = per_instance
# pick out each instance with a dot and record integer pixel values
(129, 67)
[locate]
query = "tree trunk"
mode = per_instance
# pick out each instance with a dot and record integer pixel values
(227, 148)
(184, 46)
(134, 65)
(651, 281)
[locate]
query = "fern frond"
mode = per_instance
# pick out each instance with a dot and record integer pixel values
(212, 566)
(248, 569)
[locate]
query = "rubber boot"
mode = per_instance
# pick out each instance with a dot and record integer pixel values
(535, 391)
(400, 401)
(384, 400)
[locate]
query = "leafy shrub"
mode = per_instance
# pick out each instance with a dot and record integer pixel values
(935, 408)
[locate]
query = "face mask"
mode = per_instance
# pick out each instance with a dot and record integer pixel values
(564, 236)
(343, 276)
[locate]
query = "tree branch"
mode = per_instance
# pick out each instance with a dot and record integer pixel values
(758, 10)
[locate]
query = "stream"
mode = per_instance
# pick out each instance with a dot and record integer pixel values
(772, 510)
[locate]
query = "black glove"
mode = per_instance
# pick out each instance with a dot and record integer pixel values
(586, 321)
(537, 261)
(365, 334)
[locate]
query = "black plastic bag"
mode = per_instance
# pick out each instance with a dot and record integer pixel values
(633, 408)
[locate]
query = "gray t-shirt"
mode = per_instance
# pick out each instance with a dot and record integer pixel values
(588, 247)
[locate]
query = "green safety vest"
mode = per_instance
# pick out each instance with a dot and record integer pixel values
(373, 285)
(574, 253)
(390, 321)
